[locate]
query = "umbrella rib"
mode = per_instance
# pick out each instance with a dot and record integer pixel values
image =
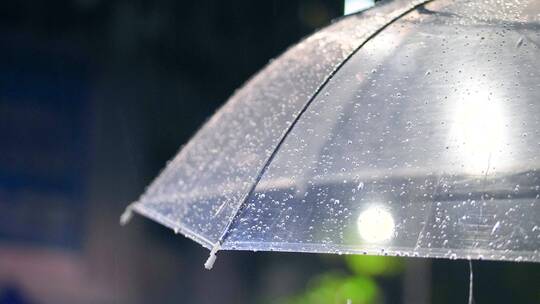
(217, 246)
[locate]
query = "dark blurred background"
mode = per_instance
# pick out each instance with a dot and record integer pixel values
(96, 96)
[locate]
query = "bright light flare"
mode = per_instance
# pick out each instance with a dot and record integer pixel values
(376, 225)
(479, 130)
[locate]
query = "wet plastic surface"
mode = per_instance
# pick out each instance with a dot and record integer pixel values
(203, 187)
(425, 143)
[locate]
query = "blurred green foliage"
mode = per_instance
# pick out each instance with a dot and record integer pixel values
(374, 265)
(357, 286)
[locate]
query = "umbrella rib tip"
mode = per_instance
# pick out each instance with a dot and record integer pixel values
(126, 216)
(212, 257)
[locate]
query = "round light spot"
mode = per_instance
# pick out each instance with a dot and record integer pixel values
(375, 225)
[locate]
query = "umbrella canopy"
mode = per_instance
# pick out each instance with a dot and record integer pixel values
(410, 129)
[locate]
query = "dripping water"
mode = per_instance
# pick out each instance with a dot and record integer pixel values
(471, 277)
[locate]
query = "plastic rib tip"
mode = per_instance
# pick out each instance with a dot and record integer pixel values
(212, 258)
(126, 216)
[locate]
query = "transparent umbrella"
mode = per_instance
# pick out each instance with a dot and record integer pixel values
(411, 129)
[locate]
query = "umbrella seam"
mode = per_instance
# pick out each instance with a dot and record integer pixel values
(306, 106)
